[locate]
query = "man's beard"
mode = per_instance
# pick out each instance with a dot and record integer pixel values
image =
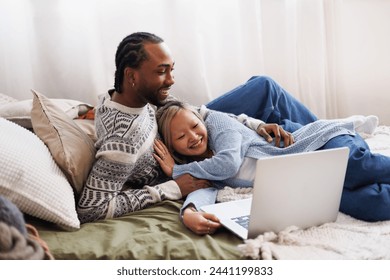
(151, 97)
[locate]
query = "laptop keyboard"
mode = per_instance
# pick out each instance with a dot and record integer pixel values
(242, 221)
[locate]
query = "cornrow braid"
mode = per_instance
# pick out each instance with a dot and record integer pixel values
(131, 53)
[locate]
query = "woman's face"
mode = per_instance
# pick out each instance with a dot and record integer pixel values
(188, 134)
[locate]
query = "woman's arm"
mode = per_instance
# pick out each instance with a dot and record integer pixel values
(196, 220)
(225, 162)
(266, 130)
(199, 198)
(200, 222)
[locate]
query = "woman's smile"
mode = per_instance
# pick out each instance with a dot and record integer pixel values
(188, 134)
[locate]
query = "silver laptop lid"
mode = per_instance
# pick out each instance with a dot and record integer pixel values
(302, 189)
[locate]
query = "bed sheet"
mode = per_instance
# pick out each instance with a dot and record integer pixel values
(152, 233)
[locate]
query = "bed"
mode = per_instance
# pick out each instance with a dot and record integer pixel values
(46, 147)
(52, 151)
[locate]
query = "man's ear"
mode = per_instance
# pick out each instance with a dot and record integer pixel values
(129, 75)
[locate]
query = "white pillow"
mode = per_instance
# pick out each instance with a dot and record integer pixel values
(31, 179)
(4, 99)
(20, 111)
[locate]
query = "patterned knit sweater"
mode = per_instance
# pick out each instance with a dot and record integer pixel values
(125, 177)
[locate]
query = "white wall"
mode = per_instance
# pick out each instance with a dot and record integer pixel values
(363, 58)
(342, 60)
(331, 54)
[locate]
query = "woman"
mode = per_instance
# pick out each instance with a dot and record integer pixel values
(213, 146)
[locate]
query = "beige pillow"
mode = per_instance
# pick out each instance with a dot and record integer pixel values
(70, 146)
(30, 178)
(88, 126)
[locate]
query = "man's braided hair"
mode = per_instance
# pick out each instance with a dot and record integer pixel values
(131, 53)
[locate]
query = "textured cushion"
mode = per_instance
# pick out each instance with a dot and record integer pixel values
(30, 178)
(20, 111)
(5, 99)
(17, 112)
(70, 146)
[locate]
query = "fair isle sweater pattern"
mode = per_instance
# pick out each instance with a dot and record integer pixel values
(125, 177)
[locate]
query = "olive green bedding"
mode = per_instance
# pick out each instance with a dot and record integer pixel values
(152, 233)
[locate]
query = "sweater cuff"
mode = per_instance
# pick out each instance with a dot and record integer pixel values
(171, 190)
(252, 123)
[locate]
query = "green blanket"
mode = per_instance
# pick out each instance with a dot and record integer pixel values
(153, 233)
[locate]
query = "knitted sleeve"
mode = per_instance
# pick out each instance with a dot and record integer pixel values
(200, 198)
(223, 165)
(249, 122)
(109, 194)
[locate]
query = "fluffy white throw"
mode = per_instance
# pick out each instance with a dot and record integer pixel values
(347, 238)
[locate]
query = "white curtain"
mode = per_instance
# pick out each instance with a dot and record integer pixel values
(331, 54)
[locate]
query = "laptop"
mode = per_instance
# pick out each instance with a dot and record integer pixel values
(302, 190)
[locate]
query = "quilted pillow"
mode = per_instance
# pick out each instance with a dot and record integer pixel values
(5, 99)
(30, 178)
(72, 149)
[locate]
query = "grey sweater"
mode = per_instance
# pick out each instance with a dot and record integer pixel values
(231, 142)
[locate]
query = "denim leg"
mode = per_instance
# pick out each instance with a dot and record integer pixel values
(366, 193)
(369, 203)
(262, 98)
(364, 167)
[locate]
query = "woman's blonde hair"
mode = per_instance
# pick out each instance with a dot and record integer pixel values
(164, 116)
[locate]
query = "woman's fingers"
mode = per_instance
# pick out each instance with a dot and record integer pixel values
(211, 223)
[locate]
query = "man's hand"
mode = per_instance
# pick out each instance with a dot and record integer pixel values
(200, 222)
(188, 184)
(265, 130)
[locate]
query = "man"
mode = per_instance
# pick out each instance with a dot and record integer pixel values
(125, 177)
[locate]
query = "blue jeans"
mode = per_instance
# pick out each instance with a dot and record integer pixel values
(366, 193)
(262, 98)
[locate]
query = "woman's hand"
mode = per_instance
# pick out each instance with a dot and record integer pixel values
(200, 222)
(163, 157)
(266, 129)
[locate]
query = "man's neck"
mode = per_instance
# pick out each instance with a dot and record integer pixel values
(126, 100)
